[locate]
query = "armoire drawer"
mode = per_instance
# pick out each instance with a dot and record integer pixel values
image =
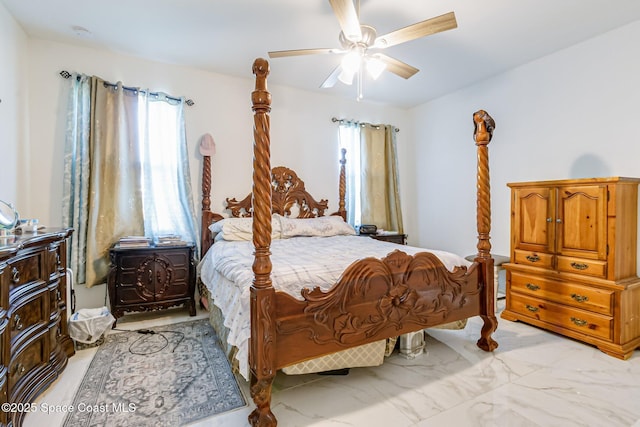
(589, 267)
(536, 259)
(593, 324)
(580, 296)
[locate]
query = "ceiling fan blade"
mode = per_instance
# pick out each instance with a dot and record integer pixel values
(347, 16)
(332, 79)
(430, 26)
(397, 67)
(299, 52)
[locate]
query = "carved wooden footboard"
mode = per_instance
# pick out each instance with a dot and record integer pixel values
(374, 298)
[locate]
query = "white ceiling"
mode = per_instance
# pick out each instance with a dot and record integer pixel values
(225, 36)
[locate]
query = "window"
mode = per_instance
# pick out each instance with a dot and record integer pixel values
(126, 171)
(373, 195)
(163, 161)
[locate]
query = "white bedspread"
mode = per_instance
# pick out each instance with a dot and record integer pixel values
(298, 262)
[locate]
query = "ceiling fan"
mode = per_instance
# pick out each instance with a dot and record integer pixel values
(358, 44)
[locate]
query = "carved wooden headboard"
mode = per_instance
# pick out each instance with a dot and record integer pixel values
(287, 192)
(289, 198)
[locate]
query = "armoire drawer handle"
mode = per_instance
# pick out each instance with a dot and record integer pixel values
(532, 287)
(579, 298)
(15, 276)
(578, 322)
(533, 258)
(579, 265)
(532, 308)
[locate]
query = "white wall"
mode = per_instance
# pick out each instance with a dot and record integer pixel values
(572, 114)
(13, 104)
(302, 134)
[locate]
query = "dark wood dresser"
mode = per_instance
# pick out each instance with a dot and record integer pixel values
(34, 339)
(151, 278)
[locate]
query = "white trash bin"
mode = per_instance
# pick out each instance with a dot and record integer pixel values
(88, 325)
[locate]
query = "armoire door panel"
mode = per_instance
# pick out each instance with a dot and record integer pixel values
(533, 211)
(581, 221)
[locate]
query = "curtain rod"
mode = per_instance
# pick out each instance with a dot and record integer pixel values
(355, 122)
(189, 102)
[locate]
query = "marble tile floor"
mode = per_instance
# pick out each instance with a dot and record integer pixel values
(534, 378)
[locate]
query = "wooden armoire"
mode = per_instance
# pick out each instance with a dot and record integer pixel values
(573, 260)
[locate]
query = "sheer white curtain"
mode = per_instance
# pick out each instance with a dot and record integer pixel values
(168, 198)
(126, 172)
(349, 134)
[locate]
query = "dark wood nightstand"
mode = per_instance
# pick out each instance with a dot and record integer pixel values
(400, 239)
(151, 278)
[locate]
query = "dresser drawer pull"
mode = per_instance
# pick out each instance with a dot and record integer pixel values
(579, 265)
(533, 258)
(532, 308)
(17, 323)
(579, 298)
(578, 322)
(532, 287)
(15, 276)
(19, 369)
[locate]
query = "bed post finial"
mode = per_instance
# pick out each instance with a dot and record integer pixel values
(262, 346)
(483, 132)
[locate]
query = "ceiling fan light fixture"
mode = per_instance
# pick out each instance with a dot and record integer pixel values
(346, 77)
(375, 67)
(350, 65)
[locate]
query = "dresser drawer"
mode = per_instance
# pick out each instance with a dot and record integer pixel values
(26, 359)
(56, 302)
(589, 267)
(592, 324)
(580, 296)
(56, 261)
(28, 314)
(536, 259)
(23, 270)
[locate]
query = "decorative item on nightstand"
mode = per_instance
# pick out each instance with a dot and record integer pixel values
(152, 277)
(367, 229)
(8, 219)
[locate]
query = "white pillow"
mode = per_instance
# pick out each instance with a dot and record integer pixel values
(323, 226)
(235, 229)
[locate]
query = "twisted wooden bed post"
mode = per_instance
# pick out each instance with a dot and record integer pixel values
(342, 189)
(484, 125)
(262, 343)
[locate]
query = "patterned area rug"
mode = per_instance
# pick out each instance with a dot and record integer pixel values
(172, 377)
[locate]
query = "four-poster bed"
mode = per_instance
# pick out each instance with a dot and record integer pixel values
(374, 298)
